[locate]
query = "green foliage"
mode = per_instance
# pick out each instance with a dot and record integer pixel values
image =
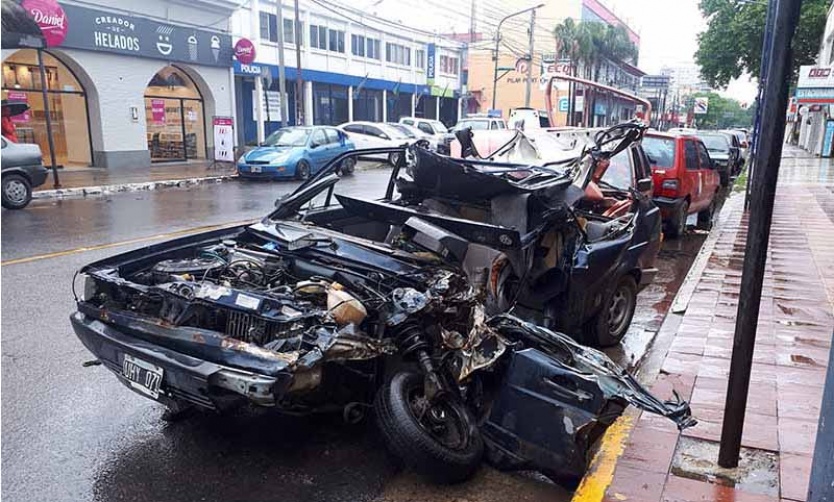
(723, 113)
(589, 43)
(732, 42)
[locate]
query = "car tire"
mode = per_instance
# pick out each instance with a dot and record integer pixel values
(411, 441)
(16, 191)
(611, 323)
(677, 227)
(348, 166)
(302, 170)
(393, 158)
(706, 216)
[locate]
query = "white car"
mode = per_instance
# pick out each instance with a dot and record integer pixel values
(416, 134)
(377, 135)
(481, 124)
(429, 126)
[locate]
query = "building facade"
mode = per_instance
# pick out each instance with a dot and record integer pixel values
(509, 90)
(128, 83)
(354, 67)
(811, 107)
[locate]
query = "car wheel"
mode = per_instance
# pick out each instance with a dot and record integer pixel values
(677, 227)
(393, 158)
(706, 216)
(438, 440)
(610, 325)
(302, 170)
(348, 166)
(17, 191)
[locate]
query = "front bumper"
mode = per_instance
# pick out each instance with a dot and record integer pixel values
(266, 173)
(185, 378)
(37, 174)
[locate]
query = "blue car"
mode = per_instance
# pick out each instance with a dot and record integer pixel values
(296, 152)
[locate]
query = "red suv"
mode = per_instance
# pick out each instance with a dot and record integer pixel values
(685, 180)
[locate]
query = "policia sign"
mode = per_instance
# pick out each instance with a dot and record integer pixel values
(100, 30)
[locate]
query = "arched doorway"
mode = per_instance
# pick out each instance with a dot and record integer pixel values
(175, 117)
(67, 106)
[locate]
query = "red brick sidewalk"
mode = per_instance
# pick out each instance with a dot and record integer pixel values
(791, 355)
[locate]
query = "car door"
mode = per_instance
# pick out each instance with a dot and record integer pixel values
(318, 149)
(359, 135)
(335, 145)
(709, 178)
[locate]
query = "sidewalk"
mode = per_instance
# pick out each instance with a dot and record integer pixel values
(93, 180)
(644, 458)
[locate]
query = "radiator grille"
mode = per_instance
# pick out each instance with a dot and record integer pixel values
(254, 329)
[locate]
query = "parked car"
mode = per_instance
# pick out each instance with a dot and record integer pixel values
(22, 170)
(685, 180)
(378, 135)
(742, 144)
(481, 124)
(722, 153)
(297, 152)
(433, 128)
(379, 303)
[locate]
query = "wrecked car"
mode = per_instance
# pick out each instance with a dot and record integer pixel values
(335, 303)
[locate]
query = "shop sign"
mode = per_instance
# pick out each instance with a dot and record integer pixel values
(51, 19)
(224, 139)
(251, 70)
(815, 77)
(23, 98)
(564, 104)
(701, 106)
(245, 51)
(158, 111)
(106, 31)
(431, 51)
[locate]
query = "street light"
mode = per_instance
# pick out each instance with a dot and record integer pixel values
(498, 39)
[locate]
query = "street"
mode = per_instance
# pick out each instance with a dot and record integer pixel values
(75, 433)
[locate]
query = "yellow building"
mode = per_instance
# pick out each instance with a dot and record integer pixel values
(510, 88)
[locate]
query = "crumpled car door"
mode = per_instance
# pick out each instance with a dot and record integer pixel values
(556, 399)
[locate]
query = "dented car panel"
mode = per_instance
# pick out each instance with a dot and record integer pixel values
(313, 310)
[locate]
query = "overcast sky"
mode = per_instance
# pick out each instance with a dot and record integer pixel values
(668, 28)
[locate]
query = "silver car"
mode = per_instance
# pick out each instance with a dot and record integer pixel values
(22, 170)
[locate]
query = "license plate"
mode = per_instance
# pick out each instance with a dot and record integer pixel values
(142, 375)
(256, 169)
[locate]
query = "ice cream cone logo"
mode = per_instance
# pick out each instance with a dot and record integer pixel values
(192, 47)
(215, 47)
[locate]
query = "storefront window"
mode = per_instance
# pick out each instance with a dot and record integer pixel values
(175, 117)
(367, 105)
(330, 104)
(67, 107)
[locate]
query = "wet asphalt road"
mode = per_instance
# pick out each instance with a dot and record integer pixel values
(75, 433)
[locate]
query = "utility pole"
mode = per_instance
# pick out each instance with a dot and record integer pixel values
(530, 58)
(497, 41)
(472, 27)
(768, 157)
(282, 83)
(299, 85)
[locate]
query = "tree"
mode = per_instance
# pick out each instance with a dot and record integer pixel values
(732, 42)
(723, 113)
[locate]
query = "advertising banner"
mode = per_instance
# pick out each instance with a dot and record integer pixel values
(224, 139)
(245, 51)
(271, 106)
(158, 111)
(431, 53)
(701, 106)
(24, 98)
(51, 19)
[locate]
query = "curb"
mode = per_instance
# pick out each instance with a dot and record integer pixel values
(89, 191)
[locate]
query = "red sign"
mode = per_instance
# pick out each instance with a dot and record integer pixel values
(245, 51)
(223, 121)
(22, 97)
(158, 111)
(51, 19)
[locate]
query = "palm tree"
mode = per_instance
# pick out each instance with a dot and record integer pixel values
(567, 46)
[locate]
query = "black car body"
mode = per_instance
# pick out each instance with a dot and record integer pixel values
(386, 302)
(723, 154)
(23, 170)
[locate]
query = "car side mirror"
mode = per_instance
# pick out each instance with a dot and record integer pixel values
(644, 185)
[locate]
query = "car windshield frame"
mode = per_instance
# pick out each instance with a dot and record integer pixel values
(710, 141)
(306, 131)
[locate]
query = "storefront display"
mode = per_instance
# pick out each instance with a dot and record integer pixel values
(174, 114)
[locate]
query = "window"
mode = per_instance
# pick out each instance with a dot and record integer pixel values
(449, 65)
(703, 157)
(318, 37)
(619, 172)
(661, 151)
(397, 54)
(269, 26)
(357, 45)
(408, 122)
(355, 128)
(332, 136)
(420, 58)
(375, 131)
(373, 49)
(319, 138)
(425, 127)
(690, 154)
(337, 41)
(289, 31)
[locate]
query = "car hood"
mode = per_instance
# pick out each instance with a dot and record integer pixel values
(269, 153)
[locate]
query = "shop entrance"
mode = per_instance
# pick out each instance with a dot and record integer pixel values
(67, 107)
(175, 117)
